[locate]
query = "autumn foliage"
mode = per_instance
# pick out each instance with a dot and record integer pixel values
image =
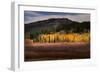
(71, 37)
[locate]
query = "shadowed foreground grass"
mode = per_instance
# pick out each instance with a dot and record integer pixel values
(56, 51)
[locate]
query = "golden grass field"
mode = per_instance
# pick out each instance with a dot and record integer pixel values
(58, 51)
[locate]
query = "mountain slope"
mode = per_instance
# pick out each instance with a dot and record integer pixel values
(47, 23)
(57, 25)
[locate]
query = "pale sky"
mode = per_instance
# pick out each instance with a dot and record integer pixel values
(33, 16)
